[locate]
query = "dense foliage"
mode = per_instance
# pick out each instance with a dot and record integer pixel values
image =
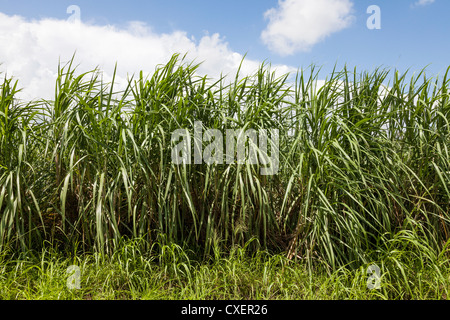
(363, 161)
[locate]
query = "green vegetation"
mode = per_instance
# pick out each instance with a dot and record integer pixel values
(170, 272)
(364, 177)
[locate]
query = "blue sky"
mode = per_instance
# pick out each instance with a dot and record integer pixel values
(411, 35)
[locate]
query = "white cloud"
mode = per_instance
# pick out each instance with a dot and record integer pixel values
(421, 3)
(297, 25)
(30, 51)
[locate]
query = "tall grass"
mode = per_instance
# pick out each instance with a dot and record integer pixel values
(363, 159)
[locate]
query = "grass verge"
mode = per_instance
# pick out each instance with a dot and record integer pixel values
(169, 272)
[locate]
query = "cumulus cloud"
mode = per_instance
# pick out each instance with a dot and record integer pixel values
(421, 3)
(297, 25)
(30, 51)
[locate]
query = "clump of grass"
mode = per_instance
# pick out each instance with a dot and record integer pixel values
(363, 159)
(236, 274)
